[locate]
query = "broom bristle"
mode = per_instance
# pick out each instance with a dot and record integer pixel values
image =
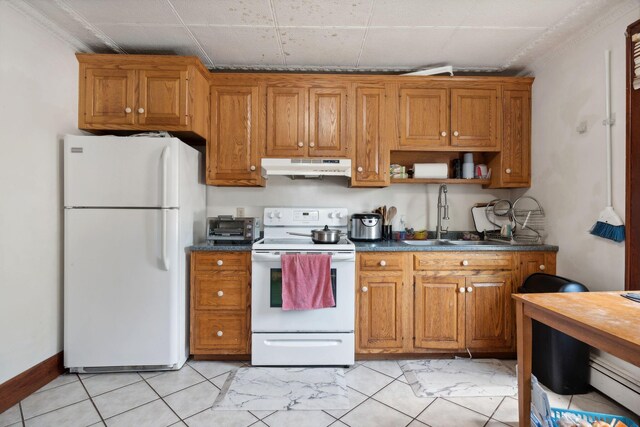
(608, 231)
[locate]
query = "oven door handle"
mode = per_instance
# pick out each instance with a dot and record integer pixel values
(335, 257)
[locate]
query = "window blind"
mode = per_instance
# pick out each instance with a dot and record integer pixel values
(635, 39)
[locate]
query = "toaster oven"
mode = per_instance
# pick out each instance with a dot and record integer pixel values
(227, 229)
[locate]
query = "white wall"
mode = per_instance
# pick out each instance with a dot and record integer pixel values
(416, 201)
(39, 86)
(569, 168)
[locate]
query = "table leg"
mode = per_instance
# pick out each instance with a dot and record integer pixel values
(524, 365)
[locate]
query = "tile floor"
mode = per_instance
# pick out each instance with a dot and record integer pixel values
(378, 394)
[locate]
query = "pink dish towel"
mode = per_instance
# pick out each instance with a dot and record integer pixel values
(306, 282)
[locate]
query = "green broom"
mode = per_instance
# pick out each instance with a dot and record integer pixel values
(609, 224)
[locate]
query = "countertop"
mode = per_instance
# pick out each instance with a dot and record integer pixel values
(393, 246)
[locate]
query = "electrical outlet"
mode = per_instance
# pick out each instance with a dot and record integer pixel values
(240, 212)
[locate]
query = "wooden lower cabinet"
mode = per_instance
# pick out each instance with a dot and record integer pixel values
(380, 311)
(220, 303)
(439, 312)
(488, 312)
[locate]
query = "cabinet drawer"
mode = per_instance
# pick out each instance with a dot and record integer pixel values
(380, 262)
(216, 261)
(225, 332)
(462, 261)
(221, 290)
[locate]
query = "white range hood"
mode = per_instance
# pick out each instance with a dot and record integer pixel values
(306, 168)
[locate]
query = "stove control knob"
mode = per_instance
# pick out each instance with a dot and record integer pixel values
(339, 215)
(330, 214)
(278, 215)
(270, 214)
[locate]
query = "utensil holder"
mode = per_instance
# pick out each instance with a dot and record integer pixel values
(387, 232)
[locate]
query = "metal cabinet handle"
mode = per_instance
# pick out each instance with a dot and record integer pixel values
(455, 133)
(465, 262)
(300, 144)
(383, 263)
(312, 144)
(462, 290)
(219, 262)
(508, 170)
(252, 168)
(542, 267)
(220, 293)
(443, 133)
(365, 289)
(140, 110)
(219, 333)
(469, 289)
(360, 169)
(127, 110)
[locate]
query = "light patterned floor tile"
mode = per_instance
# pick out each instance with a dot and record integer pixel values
(123, 399)
(299, 418)
(77, 415)
(372, 413)
(387, 367)
(507, 412)
(442, 413)
(52, 399)
(151, 374)
(400, 396)
(209, 418)
(154, 414)
(210, 369)
(192, 400)
(178, 424)
(262, 414)
(495, 423)
(557, 400)
(60, 380)
(355, 398)
(366, 380)
(170, 382)
(220, 380)
(102, 383)
(416, 423)
(596, 402)
(10, 416)
(338, 423)
(484, 405)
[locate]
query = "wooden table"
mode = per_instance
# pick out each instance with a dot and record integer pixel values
(604, 320)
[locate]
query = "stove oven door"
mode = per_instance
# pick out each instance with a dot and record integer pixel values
(266, 298)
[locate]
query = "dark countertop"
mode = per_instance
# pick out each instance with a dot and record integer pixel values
(229, 247)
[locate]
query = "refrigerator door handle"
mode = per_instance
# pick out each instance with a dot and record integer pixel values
(165, 170)
(165, 256)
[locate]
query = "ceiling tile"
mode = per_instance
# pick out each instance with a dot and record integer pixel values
(404, 47)
(124, 11)
(240, 45)
(151, 39)
(326, 13)
(420, 12)
(224, 12)
(326, 46)
(519, 13)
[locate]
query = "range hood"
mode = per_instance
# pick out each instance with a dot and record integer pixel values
(306, 168)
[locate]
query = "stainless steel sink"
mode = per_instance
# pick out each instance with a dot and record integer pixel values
(426, 242)
(475, 242)
(451, 242)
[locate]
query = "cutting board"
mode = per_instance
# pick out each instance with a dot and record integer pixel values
(481, 222)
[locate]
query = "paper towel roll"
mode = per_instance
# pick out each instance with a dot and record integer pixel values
(431, 170)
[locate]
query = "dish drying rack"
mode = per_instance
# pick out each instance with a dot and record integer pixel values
(525, 216)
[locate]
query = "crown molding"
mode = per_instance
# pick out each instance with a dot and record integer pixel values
(28, 11)
(339, 69)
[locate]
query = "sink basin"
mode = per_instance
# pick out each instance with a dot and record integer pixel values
(474, 242)
(426, 242)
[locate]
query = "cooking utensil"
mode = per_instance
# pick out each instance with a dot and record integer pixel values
(366, 227)
(391, 214)
(324, 235)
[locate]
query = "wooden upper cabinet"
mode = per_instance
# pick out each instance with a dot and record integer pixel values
(287, 122)
(371, 153)
(516, 141)
(328, 122)
(380, 309)
(163, 97)
(439, 312)
(143, 93)
(424, 118)
(474, 118)
(488, 312)
(109, 97)
(232, 150)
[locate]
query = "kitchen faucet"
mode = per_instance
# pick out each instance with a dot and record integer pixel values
(443, 211)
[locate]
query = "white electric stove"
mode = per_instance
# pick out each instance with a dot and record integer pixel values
(306, 337)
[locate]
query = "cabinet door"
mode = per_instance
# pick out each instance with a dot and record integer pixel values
(488, 312)
(232, 154)
(108, 97)
(530, 262)
(163, 98)
(423, 118)
(379, 300)
(328, 122)
(474, 118)
(369, 131)
(516, 137)
(439, 312)
(286, 122)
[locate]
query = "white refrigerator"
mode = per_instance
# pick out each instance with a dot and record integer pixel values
(132, 206)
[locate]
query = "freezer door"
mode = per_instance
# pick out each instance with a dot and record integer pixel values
(121, 288)
(111, 171)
